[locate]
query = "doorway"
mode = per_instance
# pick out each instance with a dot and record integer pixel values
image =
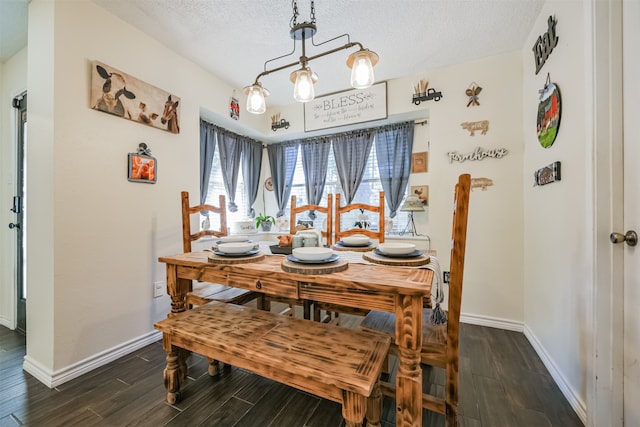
(19, 224)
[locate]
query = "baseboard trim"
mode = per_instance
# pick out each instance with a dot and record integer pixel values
(492, 322)
(7, 323)
(54, 379)
(574, 400)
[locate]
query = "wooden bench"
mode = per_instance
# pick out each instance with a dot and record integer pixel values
(338, 364)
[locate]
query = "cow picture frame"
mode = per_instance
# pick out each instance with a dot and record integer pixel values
(142, 168)
(120, 94)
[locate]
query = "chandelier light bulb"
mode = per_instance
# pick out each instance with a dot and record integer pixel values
(362, 70)
(303, 90)
(256, 103)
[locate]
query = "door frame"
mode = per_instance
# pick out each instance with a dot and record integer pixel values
(20, 104)
(605, 365)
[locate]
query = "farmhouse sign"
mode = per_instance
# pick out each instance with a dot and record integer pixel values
(346, 108)
(545, 44)
(478, 154)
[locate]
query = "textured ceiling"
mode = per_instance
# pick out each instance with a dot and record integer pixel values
(13, 27)
(233, 38)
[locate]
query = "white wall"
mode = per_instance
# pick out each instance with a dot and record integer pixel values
(13, 81)
(493, 265)
(558, 224)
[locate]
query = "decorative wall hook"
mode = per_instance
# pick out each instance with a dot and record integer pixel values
(278, 123)
(143, 149)
(422, 92)
(472, 92)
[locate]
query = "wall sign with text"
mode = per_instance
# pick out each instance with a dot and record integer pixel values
(346, 108)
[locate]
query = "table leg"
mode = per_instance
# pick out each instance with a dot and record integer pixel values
(177, 289)
(354, 408)
(409, 375)
(374, 407)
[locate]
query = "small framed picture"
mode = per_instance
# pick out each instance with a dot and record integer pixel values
(419, 162)
(421, 192)
(142, 168)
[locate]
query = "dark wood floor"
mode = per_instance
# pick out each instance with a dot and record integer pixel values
(502, 383)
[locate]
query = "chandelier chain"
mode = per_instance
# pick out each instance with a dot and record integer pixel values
(296, 13)
(294, 19)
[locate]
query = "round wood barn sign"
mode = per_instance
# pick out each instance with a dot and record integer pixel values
(548, 120)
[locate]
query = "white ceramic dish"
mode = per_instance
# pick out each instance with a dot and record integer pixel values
(235, 247)
(231, 239)
(312, 253)
(396, 248)
(355, 240)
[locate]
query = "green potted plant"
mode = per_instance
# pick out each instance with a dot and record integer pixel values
(265, 222)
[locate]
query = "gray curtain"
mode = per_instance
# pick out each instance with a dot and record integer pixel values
(351, 151)
(230, 153)
(207, 150)
(251, 165)
(393, 148)
(315, 161)
(282, 159)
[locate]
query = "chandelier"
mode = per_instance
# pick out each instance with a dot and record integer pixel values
(361, 63)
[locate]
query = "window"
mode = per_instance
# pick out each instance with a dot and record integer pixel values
(216, 187)
(368, 193)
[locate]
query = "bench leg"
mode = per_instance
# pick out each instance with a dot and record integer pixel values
(214, 367)
(374, 407)
(173, 377)
(354, 407)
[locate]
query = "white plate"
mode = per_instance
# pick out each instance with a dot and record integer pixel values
(397, 248)
(312, 253)
(235, 247)
(232, 239)
(355, 240)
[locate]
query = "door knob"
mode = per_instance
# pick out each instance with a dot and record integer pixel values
(12, 225)
(630, 237)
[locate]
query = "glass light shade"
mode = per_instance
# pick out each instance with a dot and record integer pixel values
(304, 79)
(256, 94)
(361, 64)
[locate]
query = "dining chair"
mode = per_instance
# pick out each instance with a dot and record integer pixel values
(333, 310)
(440, 341)
(340, 210)
(204, 292)
(295, 210)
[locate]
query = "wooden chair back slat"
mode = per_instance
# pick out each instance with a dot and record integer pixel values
(339, 234)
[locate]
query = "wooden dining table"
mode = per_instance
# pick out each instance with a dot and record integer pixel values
(391, 289)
